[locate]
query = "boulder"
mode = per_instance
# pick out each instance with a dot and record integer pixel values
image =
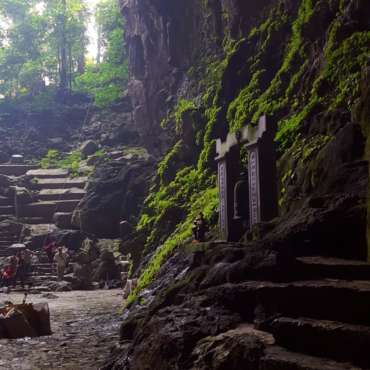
(24, 320)
(89, 147)
(114, 193)
(107, 270)
(240, 347)
(60, 286)
(71, 239)
(63, 220)
(22, 197)
(90, 249)
(82, 275)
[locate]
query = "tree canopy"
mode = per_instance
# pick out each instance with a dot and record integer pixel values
(44, 46)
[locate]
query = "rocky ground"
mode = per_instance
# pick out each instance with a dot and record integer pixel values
(85, 325)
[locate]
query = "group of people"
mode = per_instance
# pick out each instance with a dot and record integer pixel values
(17, 268)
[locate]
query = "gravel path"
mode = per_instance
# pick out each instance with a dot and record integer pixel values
(85, 326)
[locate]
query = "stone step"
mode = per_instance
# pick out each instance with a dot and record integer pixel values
(44, 278)
(66, 205)
(61, 194)
(8, 242)
(4, 201)
(338, 300)
(278, 358)
(15, 169)
(5, 253)
(48, 173)
(61, 183)
(6, 217)
(5, 235)
(309, 268)
(7, 210)
(35, 220)
(46, 210)
(38, 209)
(37, 273)
(41, 229)
(32, 290)
(45, 272)
(43, 265)
(322, 338)
(44, 268)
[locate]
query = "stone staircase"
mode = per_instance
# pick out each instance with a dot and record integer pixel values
(9, 234)
(7, 204)
(321, 321)
(15, 170)
(42, 274)
(57, 194)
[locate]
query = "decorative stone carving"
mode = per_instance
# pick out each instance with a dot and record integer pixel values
(262, 195)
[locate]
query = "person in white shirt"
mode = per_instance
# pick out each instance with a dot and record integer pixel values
(61, 259)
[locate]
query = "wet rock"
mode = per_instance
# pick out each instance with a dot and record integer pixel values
(115, 192)
(63, 220)
(235, 349)
(82, 276)
(49, 296)
(60, 286)
(71, 239)
(89, 147)
(85, 326)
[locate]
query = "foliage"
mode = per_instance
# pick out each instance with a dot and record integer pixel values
(41, 43)
(51, 159)
(286, 82)
(44, 43)
(205, 201)
(106, 79)
(168, 159)
(105, 82)
(54, 159)
(183, 106)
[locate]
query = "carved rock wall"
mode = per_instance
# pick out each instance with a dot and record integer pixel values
(165, 39)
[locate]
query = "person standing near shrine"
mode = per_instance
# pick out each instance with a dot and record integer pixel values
(200, 227)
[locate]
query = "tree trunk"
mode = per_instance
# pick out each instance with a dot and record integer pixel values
(63, 80)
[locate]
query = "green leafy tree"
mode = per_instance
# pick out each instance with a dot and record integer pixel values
(42, 42)
(106, 77)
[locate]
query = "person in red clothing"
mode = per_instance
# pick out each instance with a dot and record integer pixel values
(50, 248)
(7, 275)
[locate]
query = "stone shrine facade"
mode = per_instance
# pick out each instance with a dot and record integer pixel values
(261, 199)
